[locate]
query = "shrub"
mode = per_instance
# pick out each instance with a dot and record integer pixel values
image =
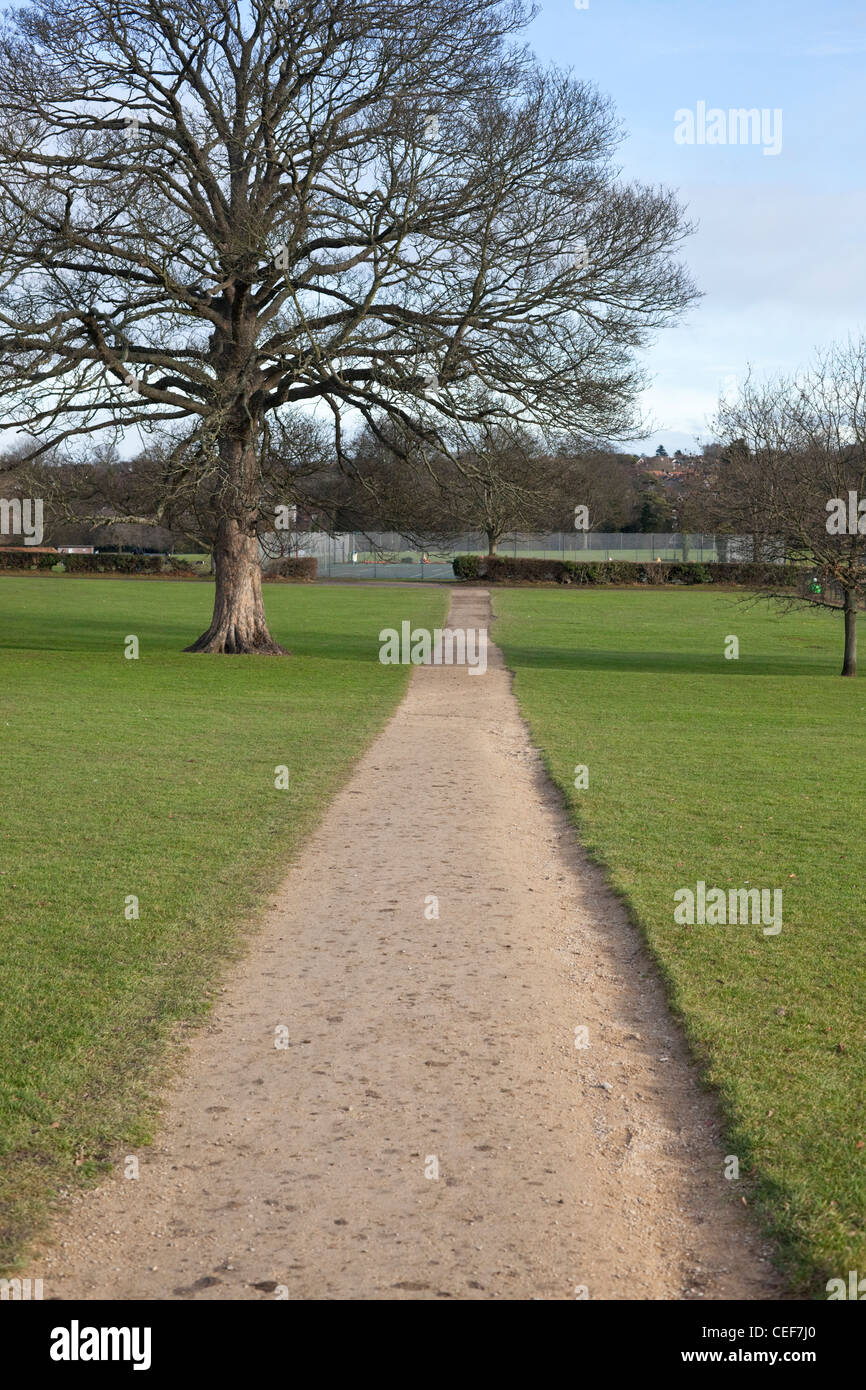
(466, 566)
(21, 559)
(299, 569)
(651, 574)
(687, 573)
(510, 569)
(114, 564)
(497, 568)
(756, 574)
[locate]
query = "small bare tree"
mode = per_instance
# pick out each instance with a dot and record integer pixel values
(214, 212)
(793, 472)
(497, 480)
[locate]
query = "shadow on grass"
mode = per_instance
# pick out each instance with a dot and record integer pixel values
(666, 663)
(105, 639)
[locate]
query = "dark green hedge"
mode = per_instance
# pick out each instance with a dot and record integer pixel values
(93, 564)
(528, 570)
(466, 566)
(301, 569)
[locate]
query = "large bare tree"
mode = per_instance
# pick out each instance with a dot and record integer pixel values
(793, 473)
(212, 213)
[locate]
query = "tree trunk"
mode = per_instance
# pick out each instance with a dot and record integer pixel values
(239, 624)
(849, 665)
(492, 542)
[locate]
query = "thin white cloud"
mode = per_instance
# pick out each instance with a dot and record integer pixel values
(834, 45)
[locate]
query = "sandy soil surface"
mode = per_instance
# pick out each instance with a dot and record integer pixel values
(419, 1045)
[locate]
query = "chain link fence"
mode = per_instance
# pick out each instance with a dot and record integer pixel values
(389, 555)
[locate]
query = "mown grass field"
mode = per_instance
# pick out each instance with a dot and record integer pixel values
(740, 773)
(155, 778)
(198, 561)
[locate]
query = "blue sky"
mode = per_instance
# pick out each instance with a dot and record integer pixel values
(780, 251)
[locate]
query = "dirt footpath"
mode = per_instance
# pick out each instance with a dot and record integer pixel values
(420, 1046)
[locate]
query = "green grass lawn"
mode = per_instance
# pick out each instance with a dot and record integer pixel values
(155, 778)
(738, 773)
